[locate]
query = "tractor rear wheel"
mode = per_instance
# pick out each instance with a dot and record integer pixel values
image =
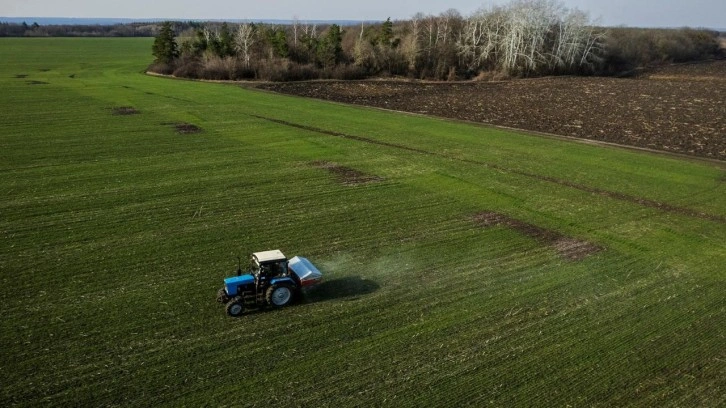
(222, 296)
(280, 295)
(235, 307)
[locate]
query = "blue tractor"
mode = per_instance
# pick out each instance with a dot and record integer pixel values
(273, 280)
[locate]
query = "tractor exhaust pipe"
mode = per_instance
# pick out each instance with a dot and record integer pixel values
(239, 266)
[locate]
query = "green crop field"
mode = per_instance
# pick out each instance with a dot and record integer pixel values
(464, 265)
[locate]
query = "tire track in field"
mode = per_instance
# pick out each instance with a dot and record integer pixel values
(592, 190)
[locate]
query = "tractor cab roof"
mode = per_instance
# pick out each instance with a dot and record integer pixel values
(269, 256)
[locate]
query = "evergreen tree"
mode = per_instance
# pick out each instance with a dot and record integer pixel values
(200, 43)
(165, 48)
(330, 49)
(277, 41)
(226, 44)
(386, 36)
(213, 43)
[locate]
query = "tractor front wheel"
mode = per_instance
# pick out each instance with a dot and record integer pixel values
(280, 295)
(235, 307)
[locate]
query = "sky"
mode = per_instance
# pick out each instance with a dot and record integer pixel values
(633, 13)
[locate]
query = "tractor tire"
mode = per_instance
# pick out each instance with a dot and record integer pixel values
(280, 295)
(235, 307)
(222, 296)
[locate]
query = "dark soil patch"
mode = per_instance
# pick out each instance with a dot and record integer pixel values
(575, 249)
(72, 76)
(20, 76)
(567, 247)
(44, 69)
(125, 110)
(36, 82)
(677, 109)
(493, 219)
(187, 128)
(347, 175)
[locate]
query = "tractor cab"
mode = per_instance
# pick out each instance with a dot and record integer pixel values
(268, 265)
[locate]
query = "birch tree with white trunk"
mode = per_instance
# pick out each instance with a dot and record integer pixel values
(529, 36)
(244, 41)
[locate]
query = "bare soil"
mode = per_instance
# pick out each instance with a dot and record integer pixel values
(125, 110)
(679, 108)
(187, 128)
(347, 175)
(569, 248)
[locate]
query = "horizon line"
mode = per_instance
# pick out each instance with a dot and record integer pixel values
(123, 20)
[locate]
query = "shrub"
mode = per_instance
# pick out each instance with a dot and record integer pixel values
(349, 72)
(285, 71)
(190, 69)
(162, 68)
(627, 49)
(218, 69)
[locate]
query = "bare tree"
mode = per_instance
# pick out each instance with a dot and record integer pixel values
(360, 51)
(593, 46)
(528, 36)
(295, 27)
(482, 37)
(412, 46)
(447, 24)
(310, 31)
(244, 41)
(430, 27)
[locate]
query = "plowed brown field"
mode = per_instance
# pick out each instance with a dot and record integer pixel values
(679, 109)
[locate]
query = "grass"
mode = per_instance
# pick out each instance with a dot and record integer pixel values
(117, 231)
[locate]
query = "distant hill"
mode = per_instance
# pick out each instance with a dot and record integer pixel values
(112, 21)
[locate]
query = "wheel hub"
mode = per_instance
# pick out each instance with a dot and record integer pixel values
(235, 309)
(281, 296)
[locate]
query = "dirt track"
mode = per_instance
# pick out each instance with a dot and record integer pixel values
(680, 109)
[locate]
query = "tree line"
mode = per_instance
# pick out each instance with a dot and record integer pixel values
(522, 38)
(80, 30)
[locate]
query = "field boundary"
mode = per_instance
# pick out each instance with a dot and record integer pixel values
(254, 86)
(721, 164)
